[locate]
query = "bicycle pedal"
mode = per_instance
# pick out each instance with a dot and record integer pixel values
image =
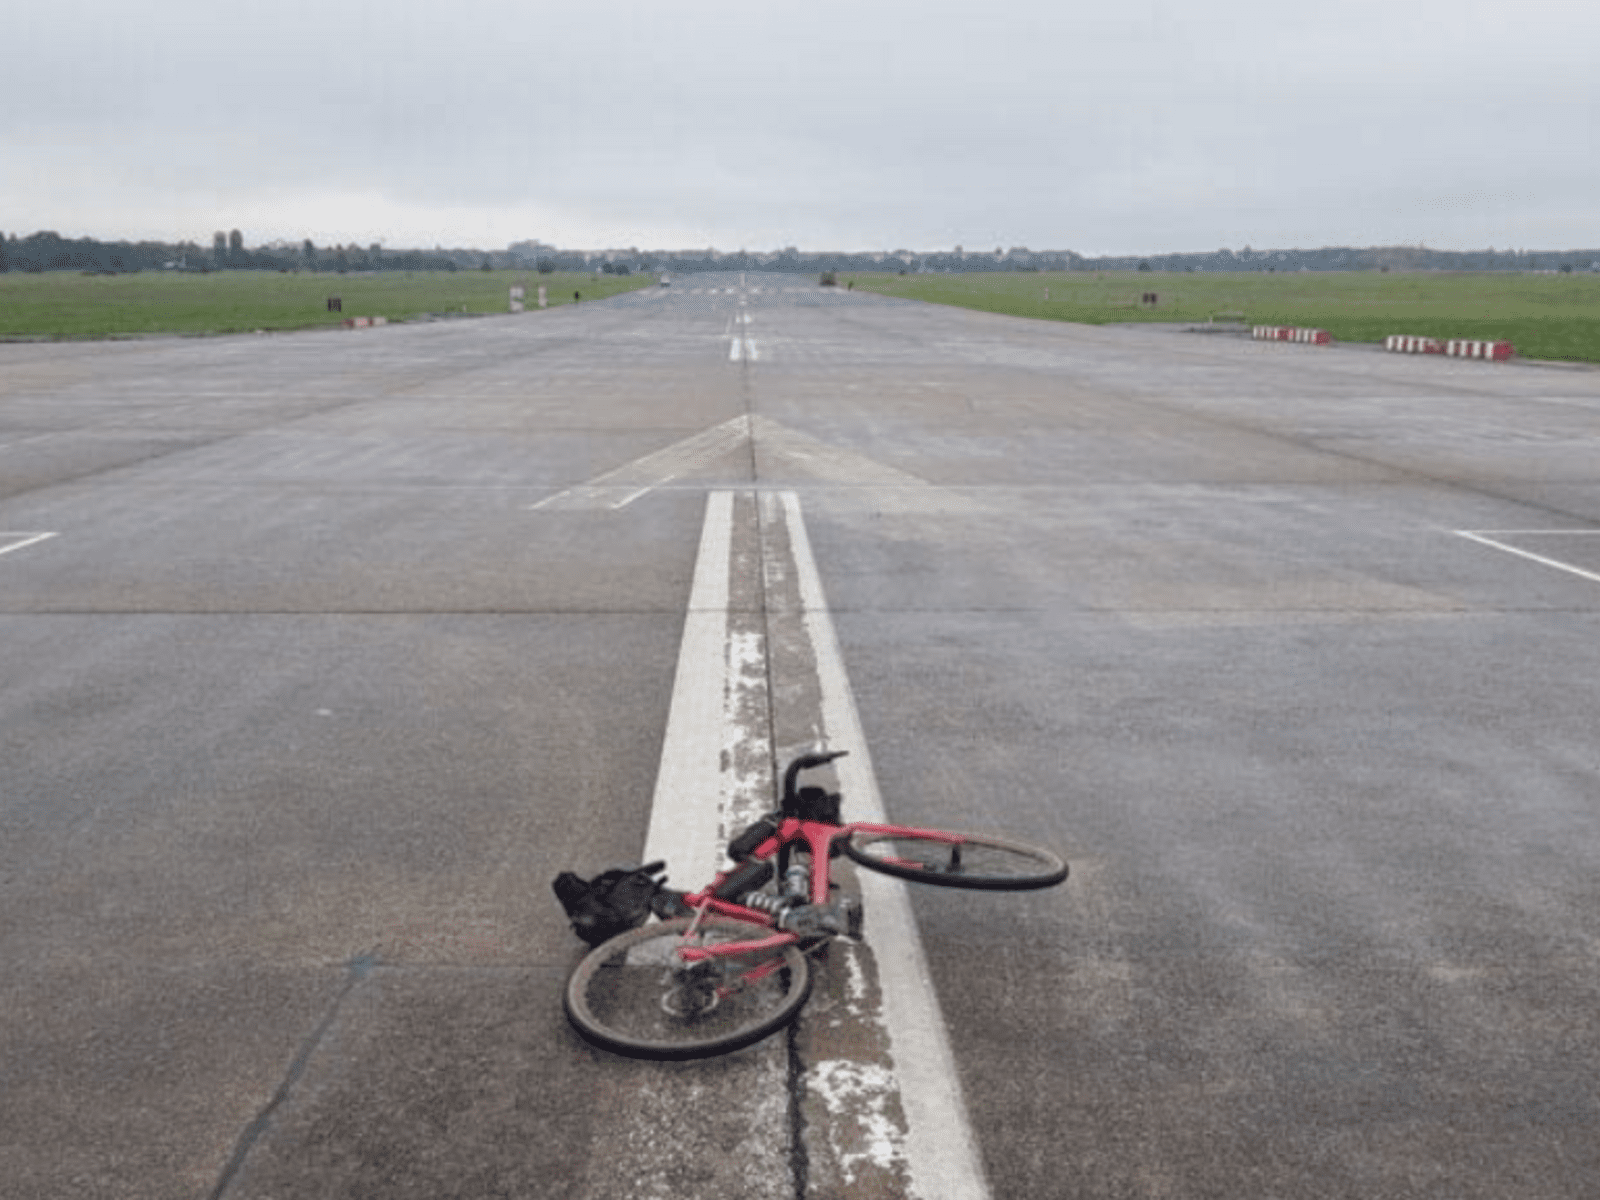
(854, 916)
(667, 904)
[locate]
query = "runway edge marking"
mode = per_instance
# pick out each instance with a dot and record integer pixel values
(942, 1154)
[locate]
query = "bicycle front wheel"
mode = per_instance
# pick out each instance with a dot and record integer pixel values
(634, 995)
(964, 860)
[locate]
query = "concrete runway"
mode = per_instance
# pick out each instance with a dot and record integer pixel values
(343, 644)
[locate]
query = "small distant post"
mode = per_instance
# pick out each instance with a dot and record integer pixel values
(518, 293)
(335, 304)
(544, 299)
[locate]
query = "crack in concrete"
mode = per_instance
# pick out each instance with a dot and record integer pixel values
(765, 564)
(795, 1084)
(356, 970)
(799, 1156)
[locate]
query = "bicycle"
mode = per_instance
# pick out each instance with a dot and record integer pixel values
(734, 967)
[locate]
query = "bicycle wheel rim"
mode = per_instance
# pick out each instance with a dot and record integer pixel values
(632, 994)
(976, 861)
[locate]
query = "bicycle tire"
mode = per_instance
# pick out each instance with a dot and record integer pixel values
(979, 862)
(634, 996)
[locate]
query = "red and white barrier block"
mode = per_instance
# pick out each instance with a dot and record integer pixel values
(1402, 343)
(1288, 333)
(364, 322)
(1466, 348)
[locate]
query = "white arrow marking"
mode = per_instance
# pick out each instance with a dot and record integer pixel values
(834, 464)
(1543, 560)
(23, 539)
(622, 486)
(781, 449)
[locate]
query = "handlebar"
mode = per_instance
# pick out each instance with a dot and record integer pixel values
(804, 763)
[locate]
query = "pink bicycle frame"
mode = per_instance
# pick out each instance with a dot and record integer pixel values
(818, 837)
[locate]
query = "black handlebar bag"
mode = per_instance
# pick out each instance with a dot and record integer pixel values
(613, 902)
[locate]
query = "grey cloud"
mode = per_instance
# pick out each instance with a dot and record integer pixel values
(1131, 127)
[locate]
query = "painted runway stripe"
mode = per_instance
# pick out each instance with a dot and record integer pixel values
(670, 1123)
(1544, 560)
(716, 775)
(780, 445)
(18, 540)
(784, 452)
(622, 486)
(941, 1153)
(716, 724)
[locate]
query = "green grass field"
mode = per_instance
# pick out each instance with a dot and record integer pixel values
(64, 304)
(1543, 316)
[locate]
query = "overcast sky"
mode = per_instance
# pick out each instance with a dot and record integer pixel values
(1119, 126)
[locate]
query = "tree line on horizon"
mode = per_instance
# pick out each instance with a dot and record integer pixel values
(49, 251)
(1020, 258)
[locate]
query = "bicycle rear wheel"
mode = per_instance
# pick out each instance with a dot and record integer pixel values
(975, 861)
(635, 996)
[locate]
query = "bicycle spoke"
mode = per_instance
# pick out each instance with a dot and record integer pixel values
(948, 860)
(635, 994)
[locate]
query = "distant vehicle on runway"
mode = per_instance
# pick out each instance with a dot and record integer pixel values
(727, 965)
